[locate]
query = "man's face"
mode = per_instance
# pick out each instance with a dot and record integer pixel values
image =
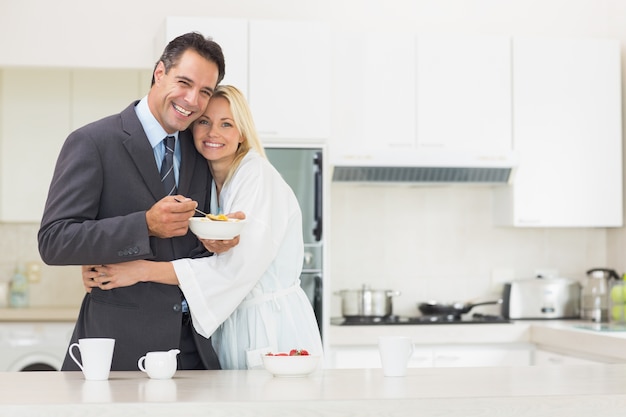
(179, 97)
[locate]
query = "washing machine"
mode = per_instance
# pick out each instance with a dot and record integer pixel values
(34, 346)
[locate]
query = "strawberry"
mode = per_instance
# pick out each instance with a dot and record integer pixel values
(292, 352)
(298, 352)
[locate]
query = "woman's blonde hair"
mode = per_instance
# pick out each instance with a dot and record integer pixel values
(243, 122)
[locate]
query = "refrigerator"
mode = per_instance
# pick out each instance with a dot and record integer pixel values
(302, 169)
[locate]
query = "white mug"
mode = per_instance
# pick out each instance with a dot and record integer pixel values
(159, 365)
(96, 355)
(395, 352)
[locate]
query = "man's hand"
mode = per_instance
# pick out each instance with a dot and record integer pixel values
(89, 273)
(221, 246)
(169, 217)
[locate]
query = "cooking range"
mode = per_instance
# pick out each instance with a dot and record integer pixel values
(368, 307)
(477, 318)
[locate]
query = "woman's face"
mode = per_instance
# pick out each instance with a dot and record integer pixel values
(215, 135)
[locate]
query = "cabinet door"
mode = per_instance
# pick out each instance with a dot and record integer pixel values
(464, 92)
(457, 355)
(353, 357)
(373, 90)
(343, 357)
(469, 356)
(230, 34)
(567, 130)
(289, 70)
(30, 140)
(546, 358)
(68, 99)
(97, 93)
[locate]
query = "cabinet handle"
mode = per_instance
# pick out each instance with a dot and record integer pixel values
(446, 358)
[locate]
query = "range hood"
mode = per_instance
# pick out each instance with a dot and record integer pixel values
(422, 166)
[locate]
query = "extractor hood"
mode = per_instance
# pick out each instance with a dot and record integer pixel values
(422, 166)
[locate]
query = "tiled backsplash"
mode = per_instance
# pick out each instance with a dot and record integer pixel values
(439, 243)
(59, 286)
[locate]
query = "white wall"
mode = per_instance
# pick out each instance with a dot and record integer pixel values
(432, 242)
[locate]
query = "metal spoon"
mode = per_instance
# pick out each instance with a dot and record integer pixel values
(198, 211)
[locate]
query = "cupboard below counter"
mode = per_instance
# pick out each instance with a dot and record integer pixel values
(519, 343)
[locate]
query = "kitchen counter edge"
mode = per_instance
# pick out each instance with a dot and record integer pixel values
(39, 314)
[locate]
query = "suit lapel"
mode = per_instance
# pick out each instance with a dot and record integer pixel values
(141, 152)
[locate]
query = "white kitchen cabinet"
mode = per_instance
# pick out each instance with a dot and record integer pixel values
(481, 355)
(30, 141)
(464, 92)
(567, 133)
(355, 357)
(430, 92)
(373, 90)
(424, 356)
(548, 358)
(283, 68)
(289, 72)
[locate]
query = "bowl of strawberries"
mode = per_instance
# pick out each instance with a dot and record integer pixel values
(295, 363)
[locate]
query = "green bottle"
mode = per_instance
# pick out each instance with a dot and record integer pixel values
(18, 293)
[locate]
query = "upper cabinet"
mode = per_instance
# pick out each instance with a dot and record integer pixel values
(463, 92)
(567, 133)
(373, 90)
(289, 72)
(30, 142)
(283, 67)
(424, 92)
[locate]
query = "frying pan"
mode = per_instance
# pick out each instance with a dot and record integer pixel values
(434, 308)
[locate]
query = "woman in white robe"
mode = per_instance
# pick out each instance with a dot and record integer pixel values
(248, 299)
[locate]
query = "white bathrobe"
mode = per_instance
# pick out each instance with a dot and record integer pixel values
(249, 299)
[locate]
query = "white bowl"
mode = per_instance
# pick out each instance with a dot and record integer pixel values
(290, 366)
(206, 228)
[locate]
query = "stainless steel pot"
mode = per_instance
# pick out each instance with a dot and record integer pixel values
(366, 302)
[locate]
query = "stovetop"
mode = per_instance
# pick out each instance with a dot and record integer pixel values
(476, 318)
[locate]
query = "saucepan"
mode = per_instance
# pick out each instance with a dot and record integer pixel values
(366, 302)
(434, 308)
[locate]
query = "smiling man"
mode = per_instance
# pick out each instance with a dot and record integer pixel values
(107, 204)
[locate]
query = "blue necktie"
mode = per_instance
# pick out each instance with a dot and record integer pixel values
(167, 167)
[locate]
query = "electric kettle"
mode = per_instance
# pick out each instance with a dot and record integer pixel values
(594, 300)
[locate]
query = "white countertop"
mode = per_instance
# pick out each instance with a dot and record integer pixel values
(568, 391)
(580, 338)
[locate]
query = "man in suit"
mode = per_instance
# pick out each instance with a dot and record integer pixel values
(106, 204)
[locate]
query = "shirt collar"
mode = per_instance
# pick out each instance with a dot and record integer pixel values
(154, 130)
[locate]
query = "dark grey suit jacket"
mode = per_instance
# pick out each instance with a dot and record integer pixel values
(105, 180)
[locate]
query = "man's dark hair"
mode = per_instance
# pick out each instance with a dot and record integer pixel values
(206, 47)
